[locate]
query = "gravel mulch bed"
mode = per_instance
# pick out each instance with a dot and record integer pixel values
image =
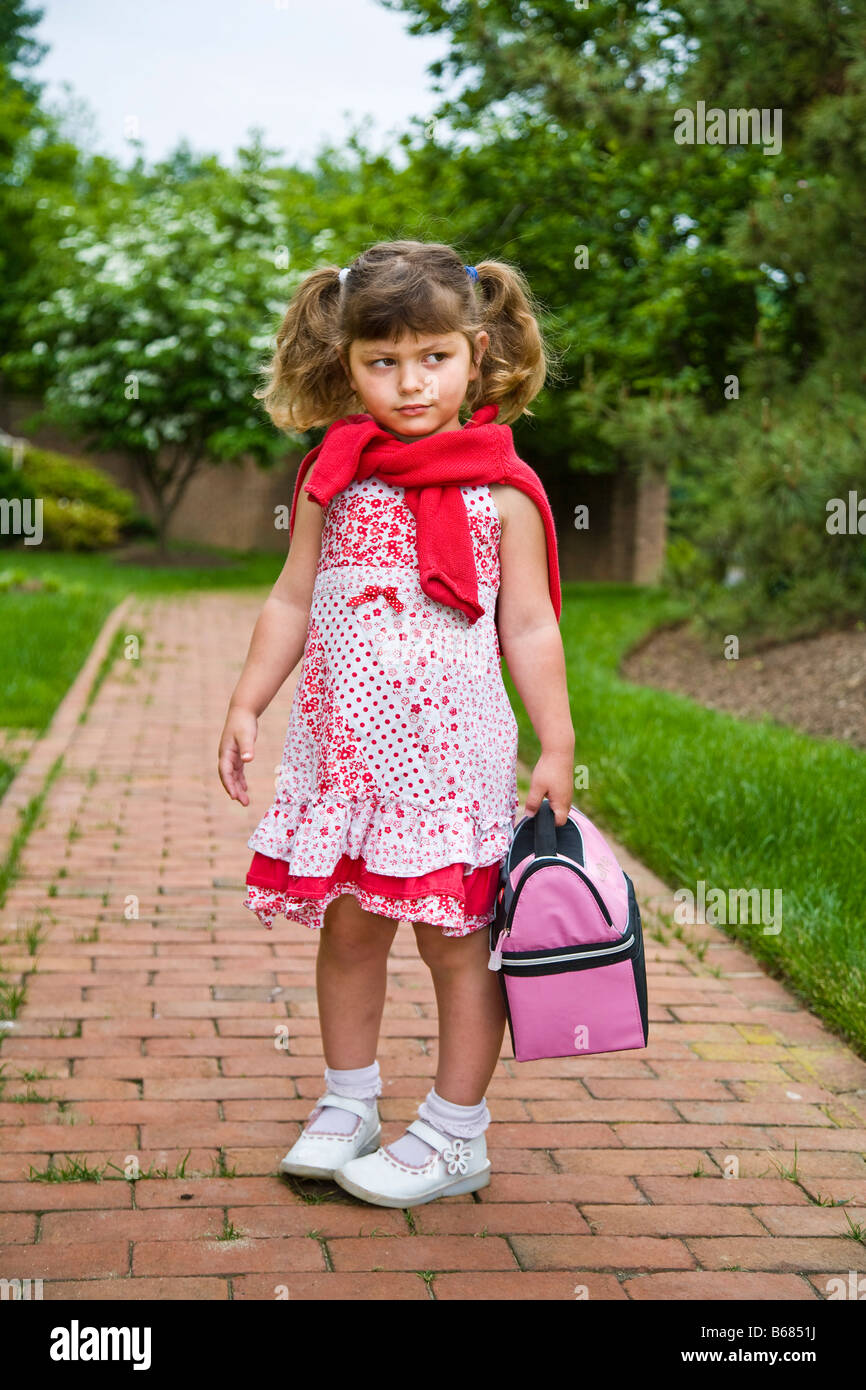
(816, 684)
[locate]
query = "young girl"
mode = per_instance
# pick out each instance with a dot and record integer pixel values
(421, 551)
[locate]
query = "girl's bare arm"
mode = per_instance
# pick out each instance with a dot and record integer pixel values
(275, 650)
(530, 642)
(277, 642)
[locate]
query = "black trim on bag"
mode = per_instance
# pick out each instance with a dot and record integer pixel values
(590, 948)
(507, 1012)
(558, 966)
(569, 836)
(639, 962)
(545, 828)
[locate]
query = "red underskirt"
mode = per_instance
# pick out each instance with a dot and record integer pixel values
(477, 891)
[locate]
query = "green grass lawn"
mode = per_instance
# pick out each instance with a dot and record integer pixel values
(694, 793)
(45, 637)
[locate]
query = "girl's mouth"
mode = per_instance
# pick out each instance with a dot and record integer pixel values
(412, 409)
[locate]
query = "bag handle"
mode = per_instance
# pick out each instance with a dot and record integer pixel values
(545, 829)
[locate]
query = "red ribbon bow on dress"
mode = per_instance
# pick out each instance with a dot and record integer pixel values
(372, 590)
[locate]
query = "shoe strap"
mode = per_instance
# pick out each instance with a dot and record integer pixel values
(357, 1107)
(430, 1135)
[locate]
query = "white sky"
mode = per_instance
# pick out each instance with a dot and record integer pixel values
(209, 70)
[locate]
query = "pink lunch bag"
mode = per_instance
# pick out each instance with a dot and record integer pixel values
(567, 942)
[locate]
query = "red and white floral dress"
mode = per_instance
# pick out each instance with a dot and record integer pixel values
(398, 777)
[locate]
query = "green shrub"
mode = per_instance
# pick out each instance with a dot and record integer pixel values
(749, 544)
(82, 508)
(685, 566)
(77, 525)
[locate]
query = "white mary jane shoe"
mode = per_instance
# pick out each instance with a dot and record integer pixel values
(318, 1155)
(459, 1165)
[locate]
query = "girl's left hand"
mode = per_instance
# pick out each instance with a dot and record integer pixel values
(553, 777)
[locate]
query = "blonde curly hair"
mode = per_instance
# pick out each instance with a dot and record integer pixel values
(391, 288)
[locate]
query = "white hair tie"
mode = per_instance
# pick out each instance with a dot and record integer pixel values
(343, 273)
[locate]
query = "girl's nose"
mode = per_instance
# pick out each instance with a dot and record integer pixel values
(411, 379)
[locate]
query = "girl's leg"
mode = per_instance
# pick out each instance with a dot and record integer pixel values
(472, 1022)
(351, 982)
(471, 1011)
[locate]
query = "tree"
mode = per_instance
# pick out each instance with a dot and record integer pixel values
(570, 166)
(724, 272)
(36, 163)
(154, 337)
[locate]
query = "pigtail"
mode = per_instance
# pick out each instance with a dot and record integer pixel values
(306, 385)
(516, 364)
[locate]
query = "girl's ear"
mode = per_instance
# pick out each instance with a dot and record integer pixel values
(482, 342)
(352, 385)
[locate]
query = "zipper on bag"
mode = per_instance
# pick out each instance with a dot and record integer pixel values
(573, 955)
(495, 961)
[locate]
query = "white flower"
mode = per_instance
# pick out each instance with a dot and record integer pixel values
(457, 1156)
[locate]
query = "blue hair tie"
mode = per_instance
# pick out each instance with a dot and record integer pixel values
(470, 270)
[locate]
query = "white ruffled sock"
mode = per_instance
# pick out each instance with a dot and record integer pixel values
(359, 1083)
(454, 1121)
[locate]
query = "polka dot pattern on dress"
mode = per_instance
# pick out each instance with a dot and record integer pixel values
(401, 744)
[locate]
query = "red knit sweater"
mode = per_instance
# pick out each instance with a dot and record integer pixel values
(432, 469)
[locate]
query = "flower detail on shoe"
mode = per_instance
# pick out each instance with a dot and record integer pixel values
(457, 1156)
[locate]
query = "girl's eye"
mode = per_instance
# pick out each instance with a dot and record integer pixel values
(376, 362)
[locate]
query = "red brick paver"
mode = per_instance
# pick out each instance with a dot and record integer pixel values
(147, 1041)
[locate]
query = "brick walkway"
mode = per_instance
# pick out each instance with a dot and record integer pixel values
(154, 1035)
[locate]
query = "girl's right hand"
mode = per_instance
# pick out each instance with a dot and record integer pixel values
(235, 751)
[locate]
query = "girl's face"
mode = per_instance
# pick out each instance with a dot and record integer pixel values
(429, 370)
